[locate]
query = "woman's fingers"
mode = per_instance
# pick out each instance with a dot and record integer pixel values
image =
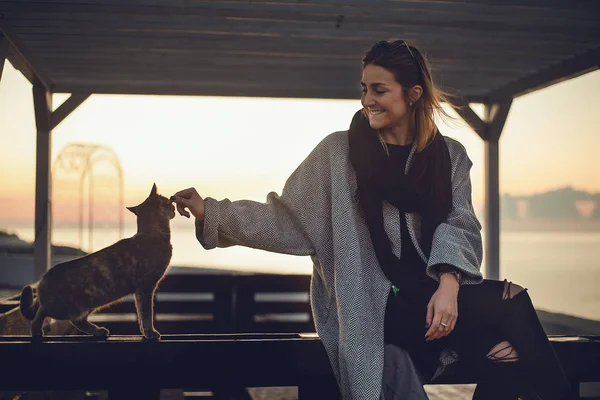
(450, 321)
(180, 203)
(181, 208)
(437, 330)
(429, 317)
(186, 193)
(445, 331)
(190, 199)
(435, 325)
(441, 331)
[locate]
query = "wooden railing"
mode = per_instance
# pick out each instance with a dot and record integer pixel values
(220, 303)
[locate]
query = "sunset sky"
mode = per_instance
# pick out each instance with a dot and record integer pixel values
(244, 148)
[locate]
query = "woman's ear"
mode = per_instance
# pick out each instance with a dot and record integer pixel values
(415, 93)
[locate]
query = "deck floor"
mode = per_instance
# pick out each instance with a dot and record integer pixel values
(434, 392)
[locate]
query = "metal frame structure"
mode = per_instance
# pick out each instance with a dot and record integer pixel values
(80, 158)
(243, 37)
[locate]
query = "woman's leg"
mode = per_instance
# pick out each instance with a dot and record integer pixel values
(522, 328)
(499, 334)
(489, 361)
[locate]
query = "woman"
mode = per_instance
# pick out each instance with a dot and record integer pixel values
(384, 210)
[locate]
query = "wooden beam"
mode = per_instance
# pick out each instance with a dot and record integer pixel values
(470, 117)
(42, 100)
(67, 108)
(294, 38)
(3, 52)
(23, 60)
(498, 114)
(567, 69)
(188, 88)
(300, 89)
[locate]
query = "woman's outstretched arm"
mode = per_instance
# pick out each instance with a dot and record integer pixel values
(283, 223)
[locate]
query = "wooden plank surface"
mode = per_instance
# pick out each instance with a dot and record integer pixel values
(282, 358)
(174, 362)
(90, 20)
(474, 9)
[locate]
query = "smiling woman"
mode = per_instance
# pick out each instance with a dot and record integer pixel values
(385, 208)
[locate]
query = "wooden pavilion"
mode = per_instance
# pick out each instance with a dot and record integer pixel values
(485, 51)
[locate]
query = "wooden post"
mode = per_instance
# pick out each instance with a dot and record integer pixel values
(495, 118)
(45, 121)
(492, 210)
(42, 100)
(489, 129)
(3, 52)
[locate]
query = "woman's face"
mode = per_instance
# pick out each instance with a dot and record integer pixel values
(383, 98)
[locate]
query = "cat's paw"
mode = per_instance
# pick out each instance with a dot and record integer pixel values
(154, 335)
(101, 332)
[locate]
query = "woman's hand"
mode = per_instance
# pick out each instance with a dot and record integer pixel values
(190, 199)
(443, 308)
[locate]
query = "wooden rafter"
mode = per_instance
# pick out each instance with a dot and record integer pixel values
(550, 75)
(67, 108)
(23, 60)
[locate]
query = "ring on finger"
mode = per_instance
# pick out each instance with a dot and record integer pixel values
(444, 325)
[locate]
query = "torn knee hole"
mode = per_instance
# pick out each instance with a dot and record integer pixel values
(511, 290)
(503, 352)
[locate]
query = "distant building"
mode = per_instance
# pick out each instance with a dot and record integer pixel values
(561, 204)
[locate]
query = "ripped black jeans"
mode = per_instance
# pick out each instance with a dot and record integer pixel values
(489, 314)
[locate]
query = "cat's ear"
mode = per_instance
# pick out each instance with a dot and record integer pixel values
(154, 192)
(133, 209)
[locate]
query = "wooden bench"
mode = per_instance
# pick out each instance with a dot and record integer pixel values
(214, 307)
(130, 366)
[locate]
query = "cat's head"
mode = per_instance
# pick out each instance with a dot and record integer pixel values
(155, 205)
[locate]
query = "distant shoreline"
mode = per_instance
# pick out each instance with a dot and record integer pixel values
(540, 225)
(11, 243)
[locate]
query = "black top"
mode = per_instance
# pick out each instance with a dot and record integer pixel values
(409, 255)
(413, 264)
(406, 310)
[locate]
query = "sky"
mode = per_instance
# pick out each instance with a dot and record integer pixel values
(244, 148)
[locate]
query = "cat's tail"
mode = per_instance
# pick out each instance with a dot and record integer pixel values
(28, 305)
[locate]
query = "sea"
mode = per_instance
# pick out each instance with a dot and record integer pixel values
(560, 269)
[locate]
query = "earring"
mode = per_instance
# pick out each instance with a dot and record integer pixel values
(410, 103)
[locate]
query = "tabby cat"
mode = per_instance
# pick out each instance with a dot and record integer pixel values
(74, 289)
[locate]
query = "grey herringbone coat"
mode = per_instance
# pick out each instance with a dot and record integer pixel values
(318, 215)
